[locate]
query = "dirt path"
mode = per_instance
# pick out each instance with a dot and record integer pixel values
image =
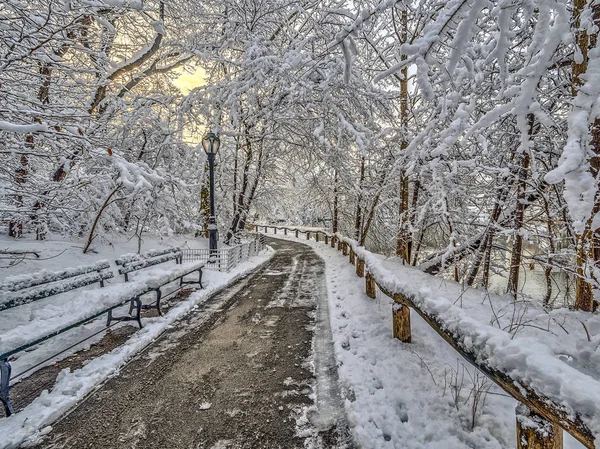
(253, 368)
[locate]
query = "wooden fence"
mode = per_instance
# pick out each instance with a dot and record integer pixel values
(549, 417)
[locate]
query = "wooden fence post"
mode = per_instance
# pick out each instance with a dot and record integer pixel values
(339, 244)
(360, 267)
(326, 239)
(307, 235)
(333, 241)
(370, 286)
(317, 237)
(535, 432)
(274, 230)
(345, 249)
(352, 256)
(284, 231)
(401, 322)
(296, 233)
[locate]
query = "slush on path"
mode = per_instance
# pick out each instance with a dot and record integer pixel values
(252, 368)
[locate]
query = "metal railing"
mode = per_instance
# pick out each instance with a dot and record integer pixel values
(224, 259)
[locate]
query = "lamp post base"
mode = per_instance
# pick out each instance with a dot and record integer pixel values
(212, 237)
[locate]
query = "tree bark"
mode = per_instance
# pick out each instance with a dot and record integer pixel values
(587, 242)
(334, 221)
(403, 241)
(517, 249)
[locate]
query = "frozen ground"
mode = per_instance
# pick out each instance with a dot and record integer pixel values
(410, 396)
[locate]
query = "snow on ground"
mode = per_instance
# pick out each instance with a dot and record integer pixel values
(71, 387)
(55, 254)
(409, 396)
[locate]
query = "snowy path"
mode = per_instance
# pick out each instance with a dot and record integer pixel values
(237, 373)
(421, 395)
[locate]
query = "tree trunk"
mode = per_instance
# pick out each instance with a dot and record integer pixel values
(587, 242)
(517, 250)
(334, 221)
(403, 241)
(358, 218)
(92, 234)
(482, 252)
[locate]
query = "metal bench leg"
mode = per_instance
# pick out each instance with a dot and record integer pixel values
(158, 297)
(138, 315)
(131, 306)
(4, 386)
(136, 303)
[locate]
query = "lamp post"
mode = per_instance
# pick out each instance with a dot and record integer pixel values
(211, 144)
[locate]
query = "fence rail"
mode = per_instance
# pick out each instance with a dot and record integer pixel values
(224, 259)
(550, 418)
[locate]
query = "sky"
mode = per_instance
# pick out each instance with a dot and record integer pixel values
(187, 81)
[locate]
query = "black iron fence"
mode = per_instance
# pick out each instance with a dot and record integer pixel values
(224, 259)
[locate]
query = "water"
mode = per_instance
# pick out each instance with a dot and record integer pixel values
(532, 283)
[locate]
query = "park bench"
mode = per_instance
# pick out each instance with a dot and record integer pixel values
(25, 289)
(134, 263)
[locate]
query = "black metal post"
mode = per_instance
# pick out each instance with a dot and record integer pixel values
(212, 222)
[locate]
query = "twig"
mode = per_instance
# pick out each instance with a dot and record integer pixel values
(586, 331)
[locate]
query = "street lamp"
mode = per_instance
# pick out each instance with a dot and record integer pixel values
(211, 144)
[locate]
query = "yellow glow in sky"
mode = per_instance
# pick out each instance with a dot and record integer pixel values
(187, 81)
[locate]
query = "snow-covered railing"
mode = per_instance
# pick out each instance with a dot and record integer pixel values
(556, 395)
(225, 259)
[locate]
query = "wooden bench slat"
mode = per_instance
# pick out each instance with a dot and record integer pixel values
(8, 300)
(144, 263)
(132, 257)
(22, 281)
